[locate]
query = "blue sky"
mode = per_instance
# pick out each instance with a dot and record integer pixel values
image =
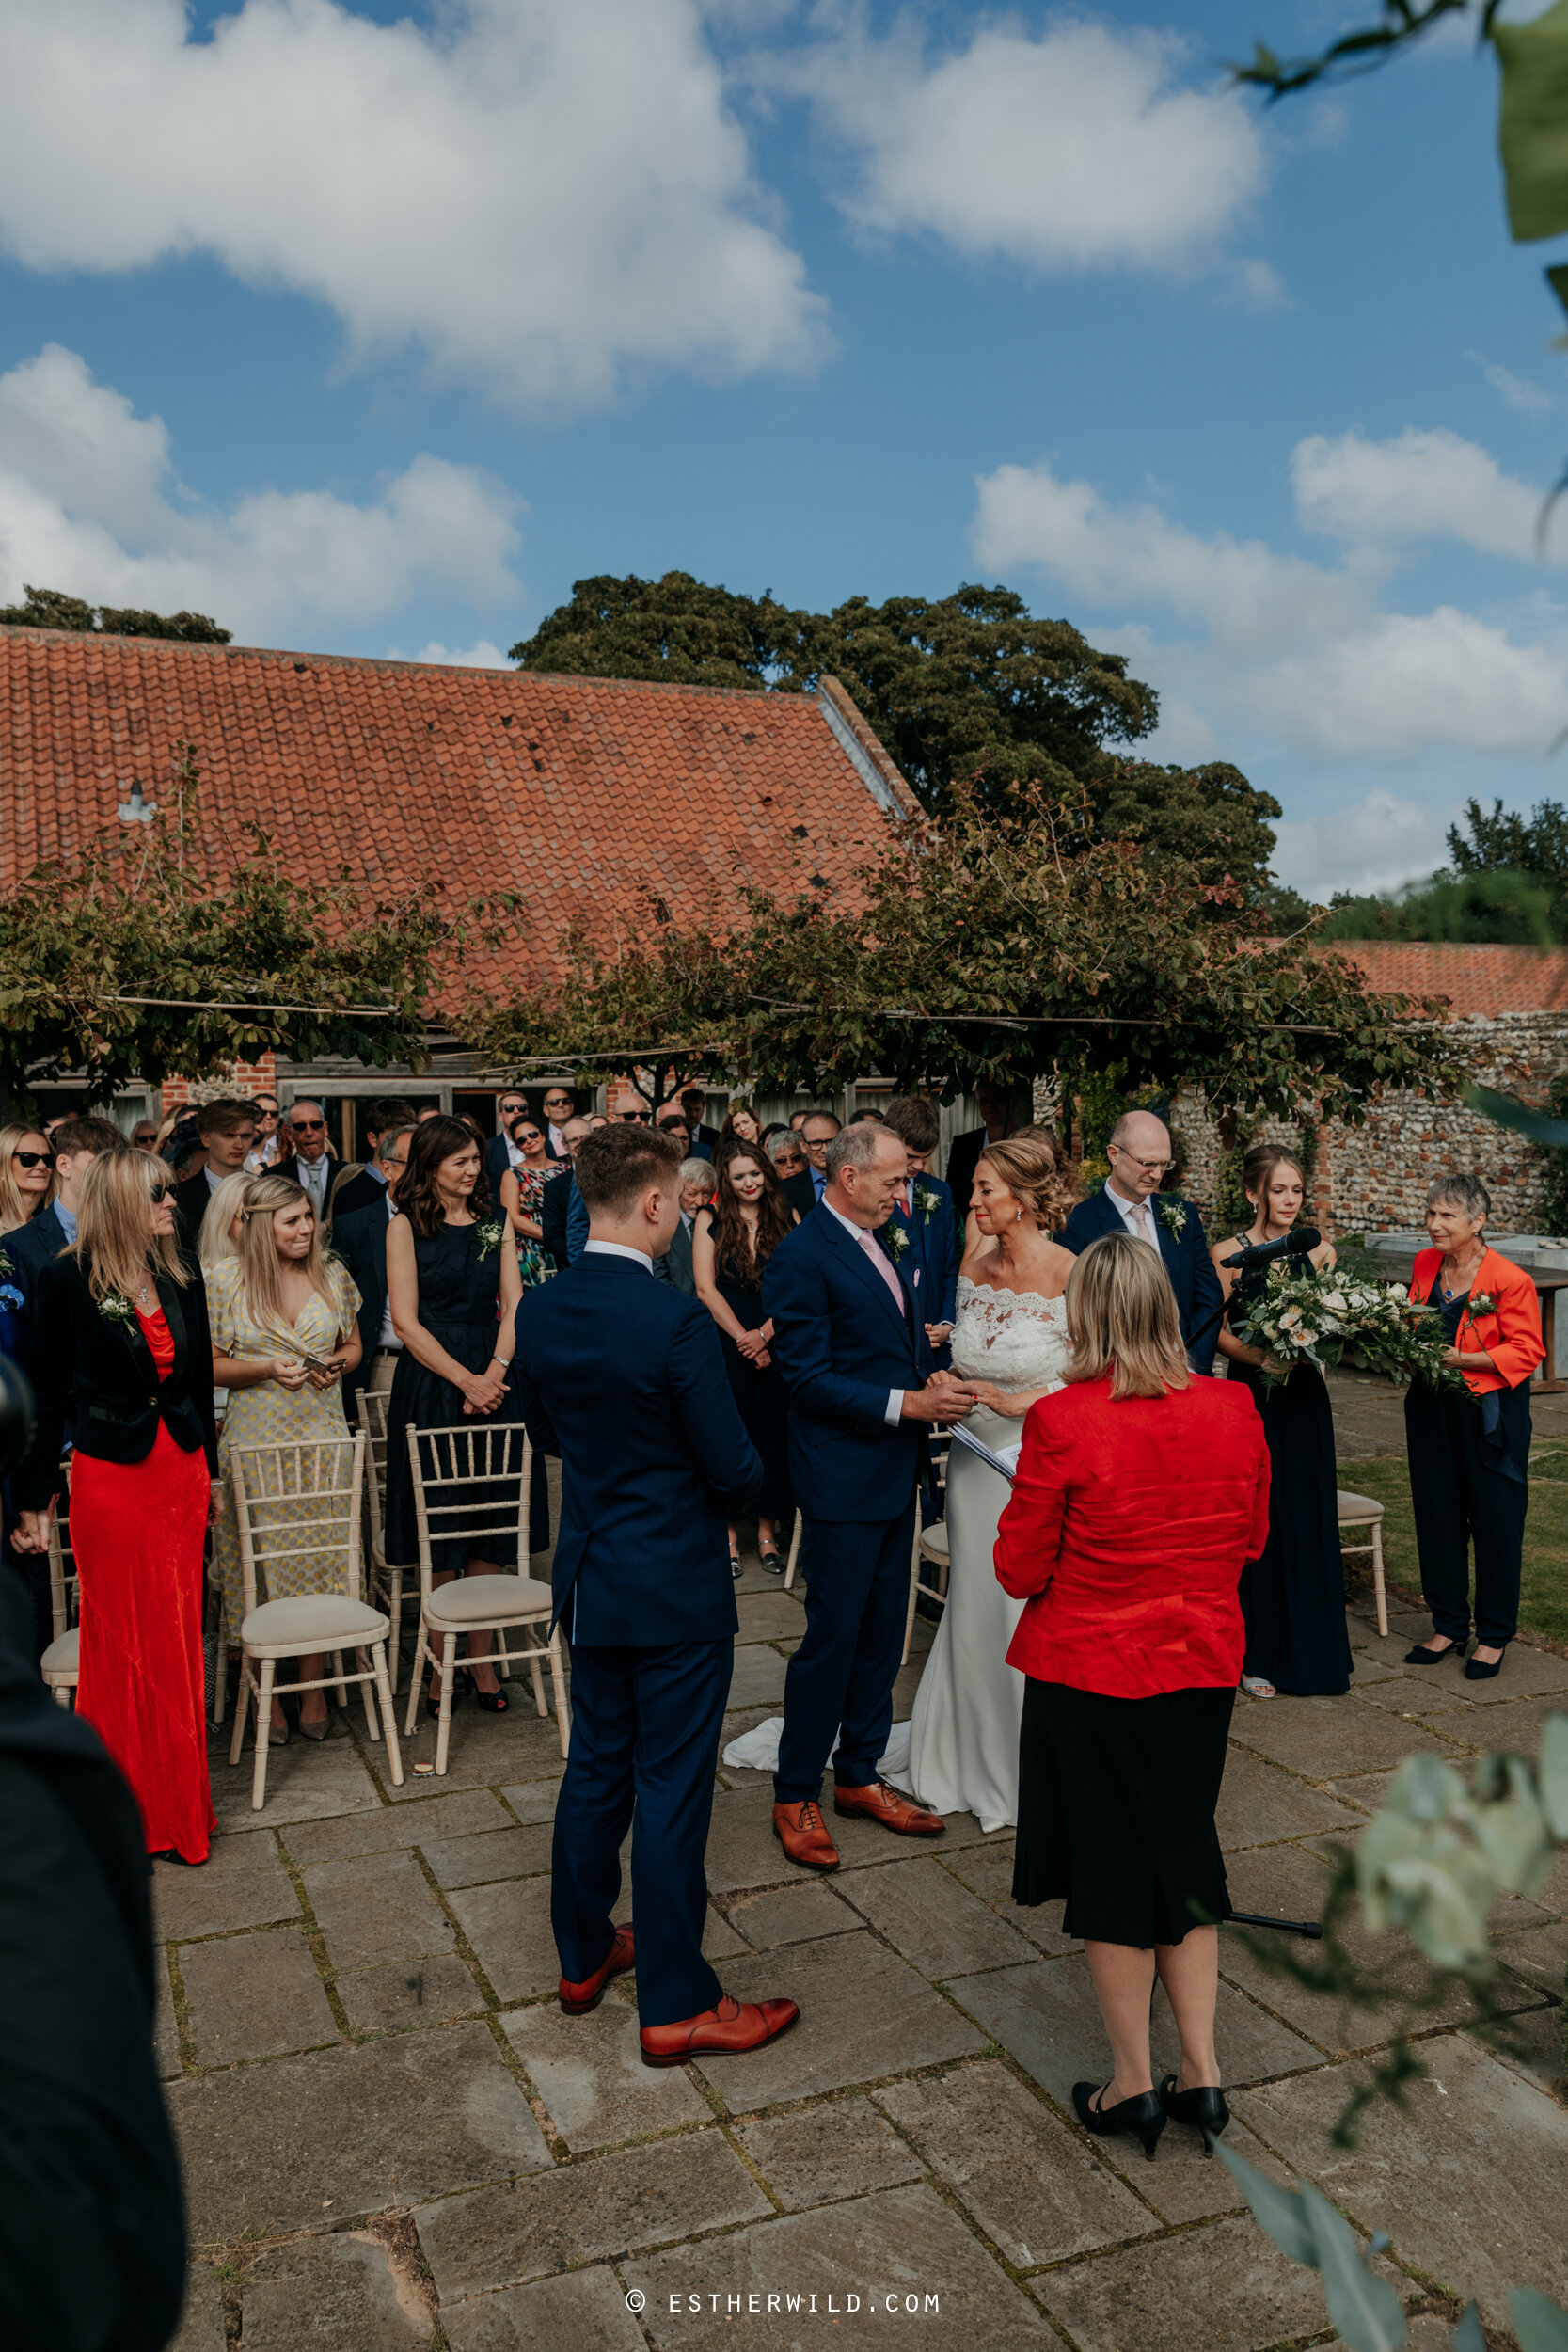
(371, 329)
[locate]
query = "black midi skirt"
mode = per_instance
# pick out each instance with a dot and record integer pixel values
(1116, 1811)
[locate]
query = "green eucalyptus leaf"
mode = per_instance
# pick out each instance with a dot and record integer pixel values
(1467, 2336)
(1541, 2325)
(1514, 1835)
(1365, 2309)
(1552, 1776)
(1424, 1788)
(1278, 2212)
(1533, 122)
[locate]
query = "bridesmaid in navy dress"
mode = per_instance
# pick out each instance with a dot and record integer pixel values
(731, 1243)
(453, 1285)
(1293, 1597)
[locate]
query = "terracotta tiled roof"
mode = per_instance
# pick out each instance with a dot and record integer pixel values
(1477, 981)
(577, 792)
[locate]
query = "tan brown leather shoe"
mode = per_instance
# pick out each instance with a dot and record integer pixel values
(879, 1802)
(803, 1834)
(578, 1999)
(733, 2026)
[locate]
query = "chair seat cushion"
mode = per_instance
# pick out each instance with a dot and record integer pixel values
(1350, 1506)
(483, 1599)
(62, 1657)
(313, 1621)
(934, 1538)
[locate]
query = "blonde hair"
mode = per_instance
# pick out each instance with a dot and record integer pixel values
(261, 1270)
(1122, 1318)
(113, 1246)
(1031, 1169)
(213, 1244)
(17, 1208)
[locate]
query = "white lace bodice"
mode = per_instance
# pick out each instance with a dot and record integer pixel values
(1015, 1339)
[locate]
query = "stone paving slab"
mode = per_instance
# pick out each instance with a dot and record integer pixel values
(1540, 1955)
(308, 2143)
(485, 1751)
(863, 2013)
(307, 1781)
(254, 1997)
(336, 2294)
(166, 2024)
(903, 2242)
(1325, 1738)
(241, 1884)
(792, 1915)
(938, 1925)
(500, 1853)
(584, 2212)
(1260, 1803)
(533, 1800)
(405, 1994)
(758, 1679)
(770, 1617)
(988, 1871)
(376, 1907)
(590, 2073)
(508, 1928)
(1029, 2182)
(1515, 1725)
(201, 2326)
(1530, 2042)
(1470, 2179)
(584, 2312)
(815, 2155)
(436, 1818)
(1147, 2297)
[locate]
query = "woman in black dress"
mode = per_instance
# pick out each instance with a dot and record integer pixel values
(731, 1243)
(454, 1286)
(1293, 1597)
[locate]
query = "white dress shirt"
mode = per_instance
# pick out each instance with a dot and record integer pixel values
(618, 1249)
(895, 1412)
(558, 1140)
(315, 1175)
(389, 1334)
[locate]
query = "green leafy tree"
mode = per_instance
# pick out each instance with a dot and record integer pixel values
(47, 607)
(1505, 907)
(966, 691)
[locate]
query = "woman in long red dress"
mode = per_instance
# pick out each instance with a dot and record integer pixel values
(123, 1350)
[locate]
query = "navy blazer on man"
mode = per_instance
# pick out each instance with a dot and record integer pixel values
(31, 1247)
(361, 1240)
(359, 1193)
(498, 1160)
(624, 1379)
(928, 1265)
(554, 1202)
(842, 1344)
(1186, 1260)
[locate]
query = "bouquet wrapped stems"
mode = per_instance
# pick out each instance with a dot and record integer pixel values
(1307, 1314)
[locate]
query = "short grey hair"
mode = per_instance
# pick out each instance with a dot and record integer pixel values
(785, 1140)
(386, 1144)
(1461, 1192)
(700, 1172)
(305, 1103)
(855, 1146)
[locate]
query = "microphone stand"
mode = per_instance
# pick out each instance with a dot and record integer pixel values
(1286, 1926)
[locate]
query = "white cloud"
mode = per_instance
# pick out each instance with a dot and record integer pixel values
(1378, 843)
(1083, 147)
(1519, 392)
(1418, 485)
(540, 198)
(484, 656)
(89, 503)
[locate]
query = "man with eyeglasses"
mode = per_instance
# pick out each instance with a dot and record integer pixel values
(560, 1104)
(312, 1164)
(501, 1152)
(805, 1191)
(1132, 1203)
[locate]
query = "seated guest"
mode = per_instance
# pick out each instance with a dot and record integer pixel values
(522, 1196)
(965, 1151)
(705, 1140)
(228, 1133)
(368, 1189)
(929, 1263)
(124, 1348)
(77, 1142)
(731, 1244)
(784, 1148)
(280, 1293)
(1141, 1493)
(1131, 1202)
(360, 1241)
(803, 1192)
(1469, 1455)
(558, 1198)
(500, 1149)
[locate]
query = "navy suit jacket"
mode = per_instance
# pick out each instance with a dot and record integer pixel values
(842, 1344)
(497, 1159)
(623, 1377)
(1192, 1274)
(29, 1247)
(361, 1240)
(554, 1204)
(932, 1255)
(358, 1193)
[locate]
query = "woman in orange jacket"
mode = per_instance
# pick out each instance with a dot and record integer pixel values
(1469, 1455)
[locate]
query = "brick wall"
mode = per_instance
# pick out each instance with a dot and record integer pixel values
(239, 1077)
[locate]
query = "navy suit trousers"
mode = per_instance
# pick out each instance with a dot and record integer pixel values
(645, 1729)
(840, 1680)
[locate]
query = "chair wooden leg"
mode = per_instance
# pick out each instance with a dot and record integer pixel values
(394, 1611)
(342, 1685)
(263, 1726)
(394, 1754)
(443, 1729)
(415, 1680)
(793, 1549)
(242, 1700)
(1378, 1586)
(362, 1662)
(220, 1680)
(558, 1683)
(62, 1694)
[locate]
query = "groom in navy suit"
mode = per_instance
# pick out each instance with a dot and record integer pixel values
(1132, 1203)
(847, 1341)
(623, 1377)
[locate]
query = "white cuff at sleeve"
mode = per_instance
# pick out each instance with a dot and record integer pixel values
(894, 1408)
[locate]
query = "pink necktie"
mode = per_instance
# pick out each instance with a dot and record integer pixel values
(883, 1266)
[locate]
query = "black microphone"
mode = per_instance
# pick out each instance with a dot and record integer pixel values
(1299, 1243)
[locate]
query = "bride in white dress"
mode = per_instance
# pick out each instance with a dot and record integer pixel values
(1009, 1341)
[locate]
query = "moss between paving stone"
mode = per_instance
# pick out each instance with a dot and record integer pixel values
(1543, 1592)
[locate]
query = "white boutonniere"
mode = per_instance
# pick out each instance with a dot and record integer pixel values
(928, 1200)
(894, 1238)
(1481, 1303)
(1172, 1214)
(491, 1234)
(116, 1307)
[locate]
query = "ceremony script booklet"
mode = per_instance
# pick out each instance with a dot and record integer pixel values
(1007, 1461)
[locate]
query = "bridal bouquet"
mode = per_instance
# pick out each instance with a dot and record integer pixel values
(1319, 1317)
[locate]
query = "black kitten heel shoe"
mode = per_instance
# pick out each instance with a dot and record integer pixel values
(1203, 2108)
(1145, 2115)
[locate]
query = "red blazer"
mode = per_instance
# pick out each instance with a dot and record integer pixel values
(1128, 1529)
(1511, 1337)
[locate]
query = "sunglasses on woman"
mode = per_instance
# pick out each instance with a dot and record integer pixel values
(34, 1159)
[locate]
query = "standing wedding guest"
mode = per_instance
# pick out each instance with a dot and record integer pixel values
(125, 1351)
(228, 1130)
(427, 1111)
(361, 1242)
(77, 1142)
(640, 1588)
(265, 1149)
(697, 1190)
(452, 1274)
(560, 1104)
(1140, 1494)
(924, 1214)
(597, 1119)
(963, 1153)
(277, 1301)
(309, 1158)
(219, 1237)
(731, 1245)
(558, 1199)
(741, 1125)
(143, 1135)
(500, 1149)
(27, 1175)
(1009, 1348)
(805, 1191)
(1131, 1201)
(522, 1197)
(787, 1153)
(1469, 1455)
(366, 1188)
(705, 1140)
(1293, 1596)
(844, 1333)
